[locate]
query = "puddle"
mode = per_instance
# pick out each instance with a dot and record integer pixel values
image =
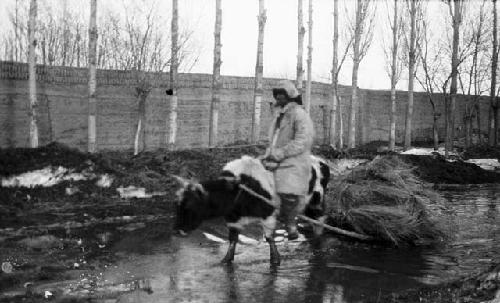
(150, 265)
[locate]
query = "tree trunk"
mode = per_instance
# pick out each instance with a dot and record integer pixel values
(341, 125)
(392, 127)
(454, 75)
(356, 59)
(140, 135)
(334, 96)
(435, 131)
(44, 58)
(493, 123)
(326, 127)
(172, 130)
(478, 121)
(307, 104)
(411, 75)
(16, 33)
(216, 80)
(300, 47)
(78, 49)
(259, 68)
(32, 75)
(92, 78)
(468, 125)
(65, 33)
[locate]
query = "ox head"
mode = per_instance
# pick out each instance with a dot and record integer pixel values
(192, 205)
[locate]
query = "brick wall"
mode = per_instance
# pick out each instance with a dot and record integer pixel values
(62, 95)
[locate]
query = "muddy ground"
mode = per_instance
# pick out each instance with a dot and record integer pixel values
(56, 234)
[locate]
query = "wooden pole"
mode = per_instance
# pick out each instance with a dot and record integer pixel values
(331, 228)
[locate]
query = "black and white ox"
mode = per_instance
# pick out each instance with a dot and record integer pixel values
(222, 197)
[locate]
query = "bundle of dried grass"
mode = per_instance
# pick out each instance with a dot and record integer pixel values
(385, 200)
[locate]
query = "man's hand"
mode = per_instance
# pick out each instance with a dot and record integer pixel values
(265, 155)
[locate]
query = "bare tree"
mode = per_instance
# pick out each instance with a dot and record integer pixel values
(430, 54)
(456, 15)
(65, 29)
(493, 110)
(411, 73)
(307, 99)
(473, 74)
(142, 90)
(300, 46)
(395, 68)
(336, 137)
(32, 28)
(362, 32)
(334, 94)
(259, 68)
(173, 76)
(216, 79)
(92, 105)
(125, 40)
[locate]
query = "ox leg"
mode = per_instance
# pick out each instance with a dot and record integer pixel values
(269, 225)
(273, 252)
(233, 239)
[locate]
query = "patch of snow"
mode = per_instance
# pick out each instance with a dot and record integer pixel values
(487, 164)
(104, 180)
(47, 294)
(426, 151)
(213, 238)
(50, 176)
(133, 192)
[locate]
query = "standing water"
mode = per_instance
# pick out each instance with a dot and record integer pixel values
(152, 266)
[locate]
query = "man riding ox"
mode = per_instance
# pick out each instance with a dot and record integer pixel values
(245, 192)
(289, 154)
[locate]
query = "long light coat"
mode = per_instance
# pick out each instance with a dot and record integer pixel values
(292, 149)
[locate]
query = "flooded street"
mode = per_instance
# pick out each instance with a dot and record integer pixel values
(144, 263)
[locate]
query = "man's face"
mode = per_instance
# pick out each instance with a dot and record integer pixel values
(281, 100)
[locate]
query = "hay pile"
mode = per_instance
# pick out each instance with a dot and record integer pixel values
(385, 200)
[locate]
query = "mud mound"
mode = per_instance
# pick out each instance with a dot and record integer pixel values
(149, 170)
(18, 160)
(482, 152)
(384, 199)
(366, 151)
(436, 169)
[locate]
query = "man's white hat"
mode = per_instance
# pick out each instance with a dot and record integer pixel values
(289, 87)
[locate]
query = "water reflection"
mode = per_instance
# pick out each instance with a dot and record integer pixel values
(188, 270)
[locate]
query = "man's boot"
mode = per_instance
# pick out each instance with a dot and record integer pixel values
(289, 210)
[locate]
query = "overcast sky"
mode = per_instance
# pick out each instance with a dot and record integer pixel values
(239, 36)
